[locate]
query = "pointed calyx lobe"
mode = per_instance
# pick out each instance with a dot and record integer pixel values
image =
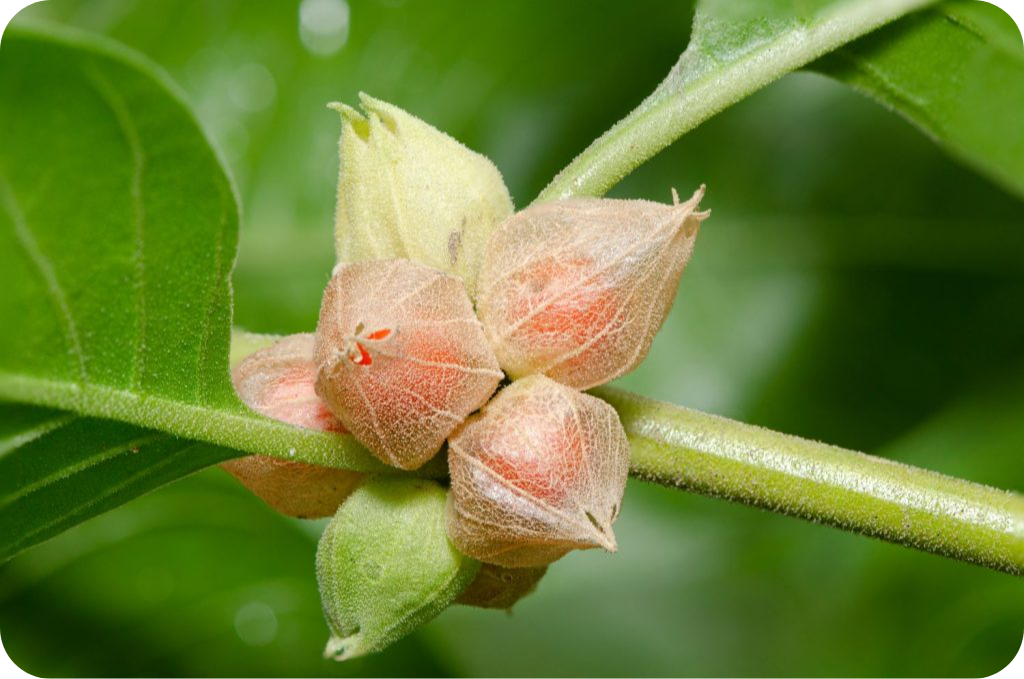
(576, 289)
(279, 382)
(401, 357)
(408, 190)
(538, 472)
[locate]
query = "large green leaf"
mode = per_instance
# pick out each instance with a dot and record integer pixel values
(117, 236)
(118, 229)
(956, 71)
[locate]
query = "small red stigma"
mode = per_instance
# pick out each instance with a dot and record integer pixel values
(363, 358)
(360, 356)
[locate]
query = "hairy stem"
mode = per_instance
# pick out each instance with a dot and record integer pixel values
(711, 455)
(693, 93)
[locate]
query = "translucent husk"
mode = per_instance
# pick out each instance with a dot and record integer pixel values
(278, 382)
(401, 357)
(576, 289)
(538, 472)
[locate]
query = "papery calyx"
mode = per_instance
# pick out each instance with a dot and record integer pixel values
(538, 472)
(278, 382)
(576, 289)
(401, 357)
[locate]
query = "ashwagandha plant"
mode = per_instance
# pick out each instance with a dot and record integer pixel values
(118, 228)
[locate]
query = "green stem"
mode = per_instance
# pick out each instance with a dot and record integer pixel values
(692, 93)
(714, 456)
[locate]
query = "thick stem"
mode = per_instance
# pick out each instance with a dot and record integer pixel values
(714, 456)
(684, 100)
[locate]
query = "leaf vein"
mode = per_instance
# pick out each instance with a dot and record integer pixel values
(78, 467)
(48, 273)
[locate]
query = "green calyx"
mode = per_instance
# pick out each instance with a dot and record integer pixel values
(385, 565)
(407, 190)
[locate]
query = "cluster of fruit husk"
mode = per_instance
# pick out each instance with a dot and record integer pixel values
(453, 324)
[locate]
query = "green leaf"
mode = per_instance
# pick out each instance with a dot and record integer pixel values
(118, 228)
(57, 469)
(736, 48)
(956, 71)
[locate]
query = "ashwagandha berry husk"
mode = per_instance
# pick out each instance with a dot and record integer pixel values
(385, 565)
(539, 471)
(278, 382)
(576, 289)
(401, 357)
(500, 587)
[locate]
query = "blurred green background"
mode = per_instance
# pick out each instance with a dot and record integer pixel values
(854, 285)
